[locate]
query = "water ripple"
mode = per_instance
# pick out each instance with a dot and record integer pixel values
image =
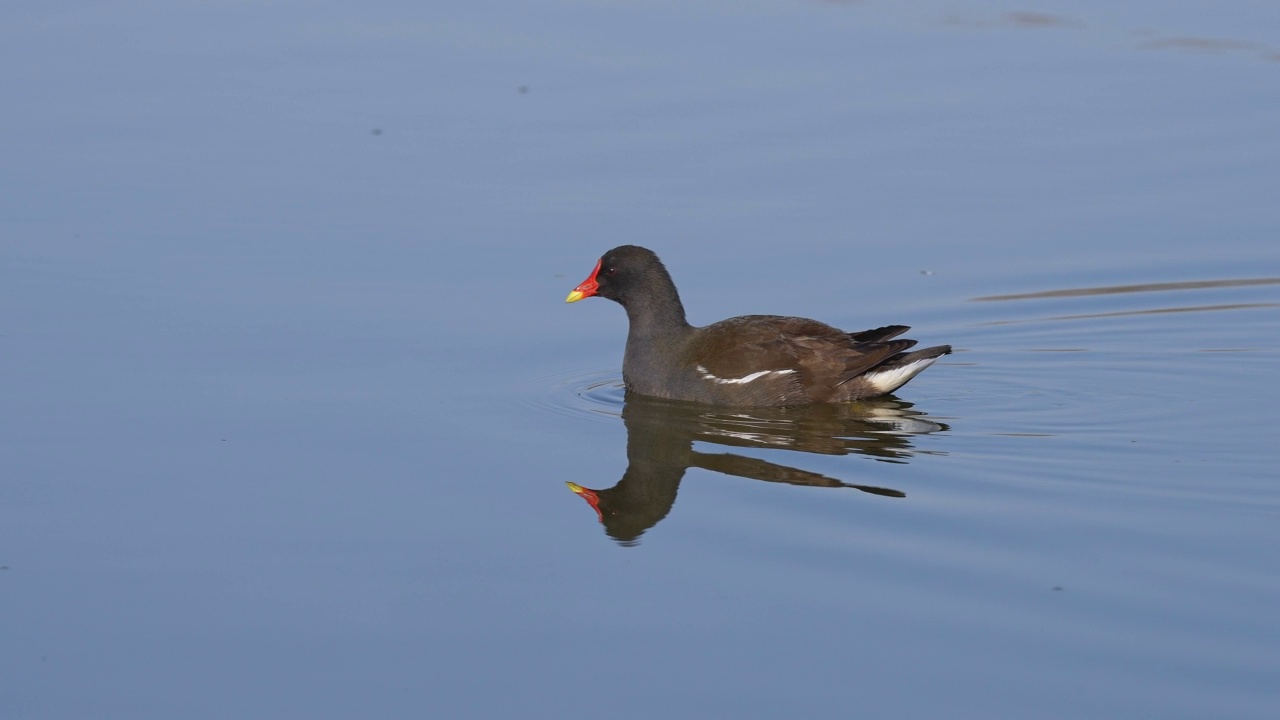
(597, 394)
(1123, 289)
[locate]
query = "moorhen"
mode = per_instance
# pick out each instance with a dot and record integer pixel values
(748, 361)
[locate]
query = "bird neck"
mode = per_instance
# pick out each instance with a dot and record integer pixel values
(657, 312)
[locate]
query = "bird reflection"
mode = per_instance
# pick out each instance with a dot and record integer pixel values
(661, 434)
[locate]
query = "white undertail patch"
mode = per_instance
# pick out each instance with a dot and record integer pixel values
(894, 378)
(744, 379)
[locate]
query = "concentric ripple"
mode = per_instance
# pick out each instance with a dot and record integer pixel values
(595, 394)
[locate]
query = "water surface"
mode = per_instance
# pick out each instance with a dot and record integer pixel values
(291, 397)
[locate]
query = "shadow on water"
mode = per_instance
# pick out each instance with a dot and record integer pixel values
(661, 435)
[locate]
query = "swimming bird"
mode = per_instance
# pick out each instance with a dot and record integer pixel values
(747, 361)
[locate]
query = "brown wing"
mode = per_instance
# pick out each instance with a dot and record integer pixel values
(742, 345)
(880, 334)
(786, 359)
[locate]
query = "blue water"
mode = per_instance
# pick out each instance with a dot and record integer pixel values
(291, 396)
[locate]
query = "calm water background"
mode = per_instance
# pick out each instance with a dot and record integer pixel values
(290, 394)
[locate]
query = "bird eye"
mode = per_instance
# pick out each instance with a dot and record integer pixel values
(611, 271)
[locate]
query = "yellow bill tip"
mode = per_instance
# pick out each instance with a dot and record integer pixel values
(574, 296)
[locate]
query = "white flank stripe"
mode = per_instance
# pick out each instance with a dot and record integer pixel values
(890, 380)
(744, 379)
